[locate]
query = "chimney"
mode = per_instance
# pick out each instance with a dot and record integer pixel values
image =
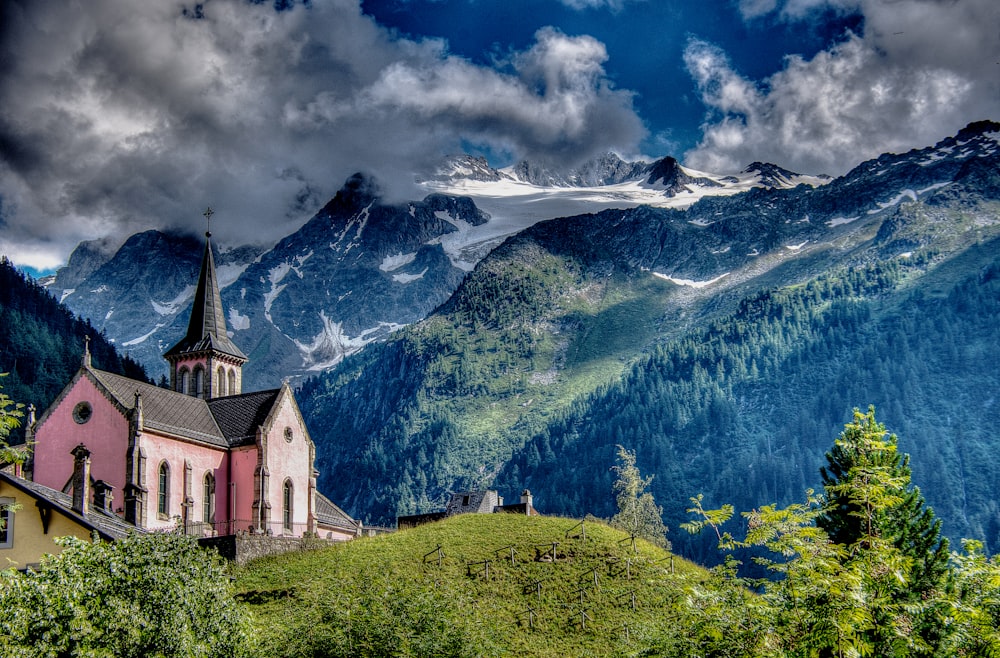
(81, 479)
(104, 494)
(526, 501)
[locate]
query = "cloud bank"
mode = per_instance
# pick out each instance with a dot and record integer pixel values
(920, 70)
(119, 116)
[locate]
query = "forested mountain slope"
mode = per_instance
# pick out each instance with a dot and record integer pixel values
(41, 343)
(726, 343)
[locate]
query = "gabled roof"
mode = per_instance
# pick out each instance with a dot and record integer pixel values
(239, 416)
(165, 410)
(226, 422)
(329, 515)
(108, 526)
(207, 326)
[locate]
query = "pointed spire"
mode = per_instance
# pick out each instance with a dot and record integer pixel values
(207, 326)
(138, 417)
(86, 352)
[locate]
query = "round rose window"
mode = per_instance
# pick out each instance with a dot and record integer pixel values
(82, 412)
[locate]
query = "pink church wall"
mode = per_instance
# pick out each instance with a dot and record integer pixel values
(243, 463)
(288, 460)
(105, 434)
(203, 459)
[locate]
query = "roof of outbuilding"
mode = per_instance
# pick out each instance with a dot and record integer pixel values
(108, 526)
(328, 514)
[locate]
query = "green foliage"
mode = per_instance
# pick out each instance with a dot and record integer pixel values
(10, 419)
(638, 514)
(147, 595)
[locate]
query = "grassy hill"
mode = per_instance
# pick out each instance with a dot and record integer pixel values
(398, 595)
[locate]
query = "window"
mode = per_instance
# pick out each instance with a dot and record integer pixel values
(82, 412)
(6, 523)
(286, 511)
(198, 381)
(208, 499)
(289, 435)
(163, 492)
(220, 376)
(182, 381)
(232, 383)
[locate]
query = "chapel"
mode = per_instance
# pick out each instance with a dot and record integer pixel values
(201, 455)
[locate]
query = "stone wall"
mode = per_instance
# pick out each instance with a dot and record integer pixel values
(245, 547)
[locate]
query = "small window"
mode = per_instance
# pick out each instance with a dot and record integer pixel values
(465, 501)
(6, 523)
(286, 512)
(163, 491)
(82, 412)
(232, 383)
(208, 499)
(198, 382)
(221, 377)
(183, 377)
(288, 434)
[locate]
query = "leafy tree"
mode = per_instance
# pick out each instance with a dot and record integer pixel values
(638, 514)
(146, 595)
(10, 418)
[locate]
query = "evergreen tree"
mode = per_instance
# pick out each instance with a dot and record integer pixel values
(638, 514)
(873, 512)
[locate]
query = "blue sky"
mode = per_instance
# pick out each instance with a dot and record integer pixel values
(123, 115)
(645, 44)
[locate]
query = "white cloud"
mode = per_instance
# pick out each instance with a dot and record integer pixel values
(119, 116)
(918, 72)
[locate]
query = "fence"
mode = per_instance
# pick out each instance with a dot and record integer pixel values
(243, 527)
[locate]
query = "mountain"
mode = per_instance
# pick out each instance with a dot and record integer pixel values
(41, 343)
(139, 295)
(726, 343)
(358, 270)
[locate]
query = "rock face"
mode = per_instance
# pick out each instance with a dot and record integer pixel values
(355, 272)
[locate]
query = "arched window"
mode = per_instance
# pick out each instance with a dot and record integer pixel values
(198, 389)
(208, 499)
(286, 507)
(232, 383)
(163, 491)
(221, 378)
(183, 380)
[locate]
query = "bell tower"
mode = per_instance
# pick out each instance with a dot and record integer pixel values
(206, 363)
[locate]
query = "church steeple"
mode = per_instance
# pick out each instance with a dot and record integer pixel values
(206, 363)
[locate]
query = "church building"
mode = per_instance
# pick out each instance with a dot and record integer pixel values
(202, 454)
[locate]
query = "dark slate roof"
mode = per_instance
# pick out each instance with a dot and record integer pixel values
(108, 526)
(207, 326)
(481, 502)
(239, 416)
(165, 410)
(328, 514)
(226, 422)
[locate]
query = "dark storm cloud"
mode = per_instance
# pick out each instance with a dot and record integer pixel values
(120, 115)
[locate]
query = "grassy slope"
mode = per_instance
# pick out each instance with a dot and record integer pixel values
(368, 596)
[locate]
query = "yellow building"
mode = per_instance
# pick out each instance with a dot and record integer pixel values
(44, 514)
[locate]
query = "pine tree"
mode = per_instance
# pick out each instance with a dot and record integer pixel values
(873, 511)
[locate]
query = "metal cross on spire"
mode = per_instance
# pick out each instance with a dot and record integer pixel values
(208, 219)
